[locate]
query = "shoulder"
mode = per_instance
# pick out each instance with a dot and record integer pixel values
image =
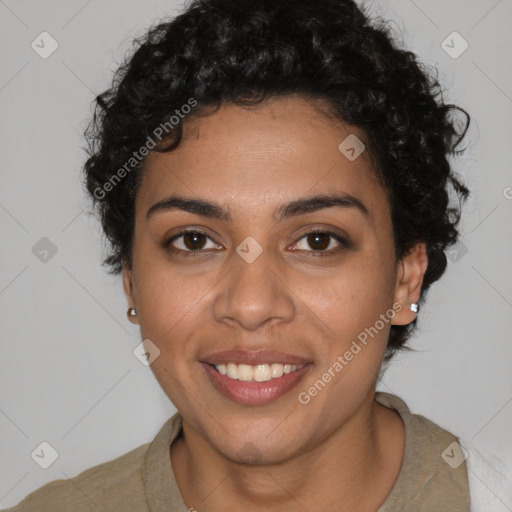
(427, 435)
(433, 468)
(459, 459)
(113, 485)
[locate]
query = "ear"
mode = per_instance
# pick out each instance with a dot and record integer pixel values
(409, 278)
(128, 291)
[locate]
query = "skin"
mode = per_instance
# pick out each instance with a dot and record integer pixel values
(321, 456)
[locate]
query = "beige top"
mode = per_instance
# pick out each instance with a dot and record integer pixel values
(143, 480)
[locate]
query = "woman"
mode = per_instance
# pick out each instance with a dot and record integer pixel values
(273, 180)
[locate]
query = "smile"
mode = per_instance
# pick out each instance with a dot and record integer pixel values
(252, 391)
(258, 373)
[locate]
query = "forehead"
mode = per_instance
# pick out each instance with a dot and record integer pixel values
(256, 158)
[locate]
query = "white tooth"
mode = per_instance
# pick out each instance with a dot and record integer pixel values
(232, 371)
(276, 370)
(262, 373)
(245, 372)
(259, 373)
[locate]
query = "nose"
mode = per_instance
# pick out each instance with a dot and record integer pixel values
(254, 294)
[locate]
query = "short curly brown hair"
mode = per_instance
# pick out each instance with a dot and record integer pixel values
(224, 51)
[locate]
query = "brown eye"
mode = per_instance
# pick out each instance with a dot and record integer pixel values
(189, 242)
(318, 241)
(323, 242)
(193, 240)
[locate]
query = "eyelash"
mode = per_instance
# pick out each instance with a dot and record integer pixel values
(344, 244)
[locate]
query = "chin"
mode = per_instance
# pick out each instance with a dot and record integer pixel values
(258, 448)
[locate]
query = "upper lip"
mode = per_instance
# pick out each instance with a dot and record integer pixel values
(253, 357)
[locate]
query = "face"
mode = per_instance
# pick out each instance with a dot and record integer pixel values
(265, 278)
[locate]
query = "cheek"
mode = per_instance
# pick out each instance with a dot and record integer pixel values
(351, 356)
(168, 302)
(351, 303)
(352, 296)
(164, 293)
(169, 307)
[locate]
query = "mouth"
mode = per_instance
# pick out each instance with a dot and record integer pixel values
(258, 373)
(254, 377)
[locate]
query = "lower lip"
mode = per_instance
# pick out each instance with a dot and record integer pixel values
(255, 393)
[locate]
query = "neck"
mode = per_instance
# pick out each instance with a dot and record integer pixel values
(364, 453)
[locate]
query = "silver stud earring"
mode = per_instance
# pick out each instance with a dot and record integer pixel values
(131, 312)
(415, 307)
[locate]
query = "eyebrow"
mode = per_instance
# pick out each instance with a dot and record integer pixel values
(298, 207)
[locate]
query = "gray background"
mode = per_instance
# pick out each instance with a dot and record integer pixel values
(67, 372)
